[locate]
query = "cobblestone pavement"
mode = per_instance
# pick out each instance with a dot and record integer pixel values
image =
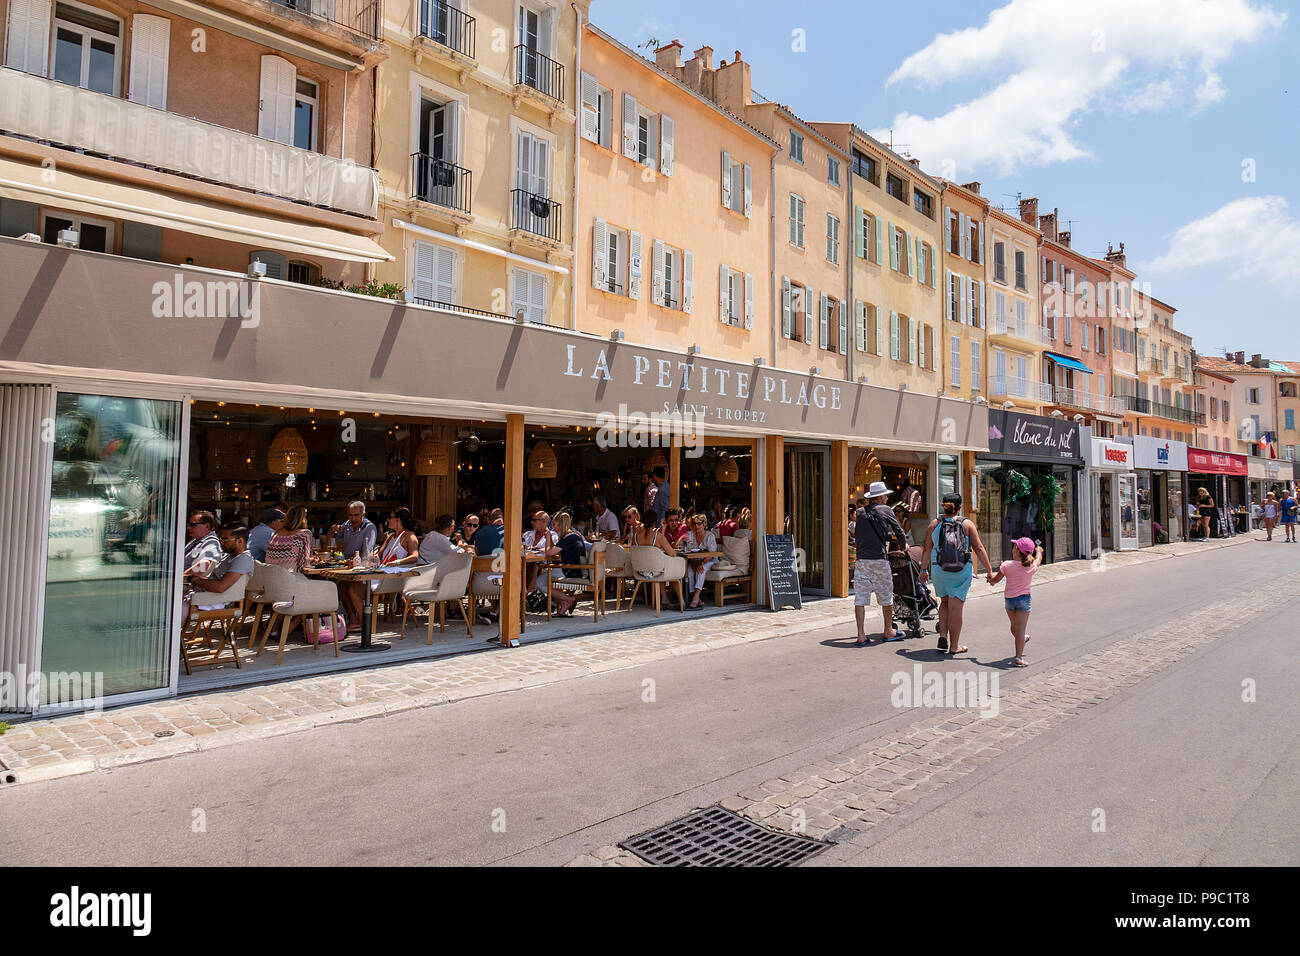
(43, 749)
(848, 793)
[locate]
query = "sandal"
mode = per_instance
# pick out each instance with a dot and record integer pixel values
(959, 650)
(1021, 662)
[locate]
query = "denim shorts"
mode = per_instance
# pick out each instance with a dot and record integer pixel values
(1018, 603)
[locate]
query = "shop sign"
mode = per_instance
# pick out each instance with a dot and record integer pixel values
(1111, 455)
(1159, 453)
(1215, 462)
(1015, 435)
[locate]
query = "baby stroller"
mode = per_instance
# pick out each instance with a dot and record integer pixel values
(913, 601)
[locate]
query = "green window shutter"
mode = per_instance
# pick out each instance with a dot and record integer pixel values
(859, 226)
(880, 240)
(893, 335)
(893, 247)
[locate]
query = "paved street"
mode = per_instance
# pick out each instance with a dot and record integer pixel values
(1132, 706)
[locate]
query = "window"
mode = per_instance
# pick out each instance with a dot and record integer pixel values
(864, 242)
(735, 297)
(923, 202)
(955, 362)
(1022, 280)
(954, 296)
(894, 186)
(1227, 416)
(796, 220)
(646, 151)
(976, 300)
(796, 146)
(1067, 326)
(597, 112)
(737, 185)
(95, 235)
(954, 232)
(976, 241)
(1000, 262)
(304, 273)
(1252, 396)
(304, 114)
(673, 277)
(615, 259)
(1083, 335)
(832, 239)
(529, 295)
(86, 45)
(864, 166)
(433, 273)
(1069, 281)
(832, 170)
(1288, 418)
(900, 250)
(925, 264)
(1101, 340)
(793, 310)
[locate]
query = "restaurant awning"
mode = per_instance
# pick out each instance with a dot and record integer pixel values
(1067, 362)
(99, 197)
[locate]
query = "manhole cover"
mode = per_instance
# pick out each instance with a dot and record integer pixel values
(717, 837)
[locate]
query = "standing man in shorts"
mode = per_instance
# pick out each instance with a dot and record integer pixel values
(1289, 510)
(873, 531)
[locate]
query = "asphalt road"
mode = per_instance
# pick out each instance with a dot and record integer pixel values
(1185, 771)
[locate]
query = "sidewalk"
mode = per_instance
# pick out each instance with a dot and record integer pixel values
(45, 749)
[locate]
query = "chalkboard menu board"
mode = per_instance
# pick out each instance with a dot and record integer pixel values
(782, 572)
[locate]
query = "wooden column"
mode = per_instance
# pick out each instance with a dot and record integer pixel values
(970, 508)
(514, 509)
(774, 521)
(675, 474)
(839, 519)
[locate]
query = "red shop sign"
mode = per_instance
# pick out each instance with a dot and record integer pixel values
(1215, 462)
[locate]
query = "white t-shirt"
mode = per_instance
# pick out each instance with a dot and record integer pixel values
(434, 546)
(546, 539)
(607, 522)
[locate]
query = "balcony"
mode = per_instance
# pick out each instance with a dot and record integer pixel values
(1026, 388)
(1025, 331)
(538, 72)
(449, 27)
(1078, 398)
(1144, 406)
(365, 17)
(535, 215)
(440, 182)
(1151, 367)
(68, 116)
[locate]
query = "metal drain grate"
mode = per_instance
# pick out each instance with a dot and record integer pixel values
(717, 837)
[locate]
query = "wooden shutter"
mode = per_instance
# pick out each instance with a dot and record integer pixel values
(28, 44)
(599, 253)
(934, 270)
(666, 145)
(520, 301)
(964, 309)
(629, 125)
(907, 250)
(634, 264)
(844, 328)
(787, 309)
(880, 240)
(657, 272)
(726, 179)
(150, 39)
(893, 335)
(688, 282)
(275, 113)
(724, 286)
(859, 232)
(749, 300)
(749, 191)
(590, 108)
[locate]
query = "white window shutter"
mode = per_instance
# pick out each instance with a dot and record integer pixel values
(28, 45)
(965, 302)
(880, 335)
(726, 179)
(537, 297)
(657, 272)
(824, 322)
(424, 269)
(983, 257)
(907, 249)
(724, 300)
(859, 325)
(787, 309)
(275, 113)
(982, 319)
(947, 229)
(629, 125)
(150, 38)
(444, 289)
(947, 284)
(934, 269)
(599, 253)
(911, 340)
(688, 282)
(809, 307)
(844, 328)
(934, 351)
(880, 240)
(920, 260)
(590, 108)
(749, 191)
(893, 336)
(666, 145)
(519, 292)
(965, 236)
(634, 265)
(749, 300)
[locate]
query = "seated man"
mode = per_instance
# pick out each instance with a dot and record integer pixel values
(235, 564)
(675, 529)
(203, 549)
(438, 541)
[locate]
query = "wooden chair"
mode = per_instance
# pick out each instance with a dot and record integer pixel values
(197, 635)
(592, 579)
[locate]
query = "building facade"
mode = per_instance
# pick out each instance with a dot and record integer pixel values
(1016, 336)
(965, 337)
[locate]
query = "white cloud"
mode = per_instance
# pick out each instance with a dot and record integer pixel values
(1051, 62)
(1243, 237)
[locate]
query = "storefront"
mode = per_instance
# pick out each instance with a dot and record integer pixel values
(1264, 475)
(118, 421)
(1223, 475)
(912, 477)
(1161, 471)
(1029, 484)
(1112, 485)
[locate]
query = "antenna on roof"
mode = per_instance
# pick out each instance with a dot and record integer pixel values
(650, 44)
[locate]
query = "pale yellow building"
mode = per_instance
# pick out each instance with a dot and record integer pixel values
(1016, 337)
(965, 339)
(476, 128)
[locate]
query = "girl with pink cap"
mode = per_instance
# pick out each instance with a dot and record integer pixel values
(1018, 572)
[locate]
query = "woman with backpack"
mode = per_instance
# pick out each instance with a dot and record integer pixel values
(955, 542)
(1018, 573)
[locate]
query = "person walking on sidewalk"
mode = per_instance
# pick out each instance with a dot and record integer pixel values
(875, 528)
(1270, 514)
(955, 543)
(1289, 508)
(1018, 572)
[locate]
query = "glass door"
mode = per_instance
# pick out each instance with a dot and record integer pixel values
(110, 574)
(1128, 519)
(805, 506)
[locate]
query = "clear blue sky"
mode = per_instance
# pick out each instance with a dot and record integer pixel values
(1133, 117)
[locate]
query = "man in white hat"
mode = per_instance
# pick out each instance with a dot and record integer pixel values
(873, 532)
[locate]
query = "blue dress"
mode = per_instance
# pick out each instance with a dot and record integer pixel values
(954, 584)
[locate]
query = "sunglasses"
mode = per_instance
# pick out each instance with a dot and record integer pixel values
(195, 524)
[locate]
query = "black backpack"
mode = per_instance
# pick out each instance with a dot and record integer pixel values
(953, 553)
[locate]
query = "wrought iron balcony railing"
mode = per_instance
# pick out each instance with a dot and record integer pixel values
(438, 181)
(536, 214)
(360, 16)
(540, 72)
(454, 29)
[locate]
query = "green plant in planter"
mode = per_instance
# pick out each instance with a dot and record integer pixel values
(386, 290)
(1045, 489)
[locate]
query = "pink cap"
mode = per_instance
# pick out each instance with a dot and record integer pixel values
(1026, 545)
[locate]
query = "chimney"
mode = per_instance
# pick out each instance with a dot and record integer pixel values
(973, 187)
(697, 72)
(1047, 224)
(915, 162)
(705, 56)
(1240, 358)
(1029, 211)
(731, 86)
(669, 57)
(1258, 361)
(1064, 238)
(1119, 258)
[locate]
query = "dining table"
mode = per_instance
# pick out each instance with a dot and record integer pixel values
(341, 575)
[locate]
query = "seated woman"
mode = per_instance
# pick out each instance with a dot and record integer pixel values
(572, 547)
(290, 547)
(649, 534)
(402, 546)
(631, 525)
(700, 538)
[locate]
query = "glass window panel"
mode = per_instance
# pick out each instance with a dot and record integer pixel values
(303, 121)
(67, 57)
(102, 66)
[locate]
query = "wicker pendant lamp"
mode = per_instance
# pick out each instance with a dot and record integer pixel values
(541, 461)
(656, 460)
(288, 453)
(727, 472)
(866, 469)
(431, 459)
